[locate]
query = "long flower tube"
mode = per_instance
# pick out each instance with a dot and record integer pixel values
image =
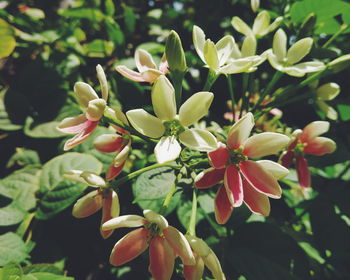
(252, 182)
(170, 127)
(165, 243)
(307, 141)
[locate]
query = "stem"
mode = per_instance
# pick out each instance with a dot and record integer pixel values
(231, 92)
(212, 76)
(192, 226)
(138, 172)
(268, 88)
(335, 35)
(167, 199)
(177, 77)
(245, 97)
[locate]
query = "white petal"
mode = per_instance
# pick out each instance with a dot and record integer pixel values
(198, 41)
(279, 45)
(263, 144)
(224, 48)
(195, 108)
(328, 110)
(198, 139)
(237, 66)
(299, 50)
(241, 26)
(145, 123)
(275, 169)
(74, 175)
(314, 129)
(299, 70)
(155, 218)
(249, 46)
(103, 81)
(124, 221)
(93, 179)
(84, 93)
(163, 99)
(211, 55)
(144, 60)
(167, 149)
(275, 24)
(240, 131)
(275, 63)
(328, 91)
(95, 109)
(261, 23)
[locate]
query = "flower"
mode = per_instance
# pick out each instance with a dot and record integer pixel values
(148, 71)
(119, 143)
(104, 198)
(307, 141)
(218, 56)
(83, 125)
(285, 61)
(204, 256)
(324, 93)
(172, 127)
(165, 243)
(244, 180)
(261, 25)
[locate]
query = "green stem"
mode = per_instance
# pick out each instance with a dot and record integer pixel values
(269, 88)
(335, 35)
(192, 225)
(245, 97)
(136, 173)
(177, 77)
(167, 199)
(212, 76)
(231, 92)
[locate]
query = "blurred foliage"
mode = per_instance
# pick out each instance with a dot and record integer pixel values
(46, 46)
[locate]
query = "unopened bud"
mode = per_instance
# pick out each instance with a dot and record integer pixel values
(255, 5)
(95, 109)
(174, 53)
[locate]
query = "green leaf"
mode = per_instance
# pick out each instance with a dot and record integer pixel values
(5, 123)
(91, 14)
(110, 8)
(42, 130)
(183, 212)
(344, 109)
(58, 193)
(12, 249)
(11, 214)
(11, 271)
(42, 267)
(98, 48)
(34, 13)
(152, 48)
(7, 39)
(115, 34)
(45, 276)
(23, 157)
(129, 19)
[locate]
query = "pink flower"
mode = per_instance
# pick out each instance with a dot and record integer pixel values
(148, 71)
(84, 124)
(119, 143)
(165, 243)
(245, 180)
(307, 141)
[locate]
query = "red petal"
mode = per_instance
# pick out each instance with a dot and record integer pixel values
(113, 171)
(194, 272)
(287, 159)
(162, 258)
(209, 178)
(260, 179)
(82, 136)
(130, 246)
(320, 146)
(257, 202)
(223, 207)
(109, 147)
(219, 157)
(107, 212)
(303, 171)
(233, 185)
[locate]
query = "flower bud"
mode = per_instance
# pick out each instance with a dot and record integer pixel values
(103, 81)
(88, 204)
(93, 179)
(254, 5)
(174, 53)
(85, 93)
(95, 109)
(155, 218)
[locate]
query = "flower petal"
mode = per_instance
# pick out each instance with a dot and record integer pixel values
(320, 146)
(279, 45)
(130, 246)
(299, 70)
(314, 129)
(110, 210)
(233, 185)
(219, 157)
(130, 74)
(73, 125)
(275, 63)
(95, 109)
(144, 60)
(299, 50)
(211, 55)
(264, 144)
(179, 244)
(249, 46)
(198, 139)
(74, 175)
(213, 264)
(198, 245)
(241, 26)
(164, 66)
(109, 143)
(240, 131)
(328, 110)
(81, 137)
(223, 206)
(84, 93)
(238, 66)
(224, 48)
(260, 179)
(194, 272)
(103, 81)
(209, 177)
(167, 149)
(93, 179)
(195, 108)
(261, 23)
(151, 75)
(87, 205)
(124, 221)
(122, 156)
(302, 171)
(155, 218)
(275, 169)
(162, 258)
(199, 41)
(145, 123)
(113, 171)
(257, 202)
(287, 159)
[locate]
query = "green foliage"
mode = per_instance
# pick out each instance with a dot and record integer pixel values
(12, 249)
